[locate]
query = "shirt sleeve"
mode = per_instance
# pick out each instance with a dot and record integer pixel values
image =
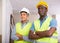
(14, 37)
(13, 34)
(53, 23)
(27, 39)
(32, 27)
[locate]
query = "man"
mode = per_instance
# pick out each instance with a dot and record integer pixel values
(44, 29)
(21, 30)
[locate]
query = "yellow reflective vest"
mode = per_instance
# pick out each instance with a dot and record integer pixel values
(24, 31)
(45, 26)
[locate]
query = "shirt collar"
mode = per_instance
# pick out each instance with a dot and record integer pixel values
(44, 18)
(26, 22)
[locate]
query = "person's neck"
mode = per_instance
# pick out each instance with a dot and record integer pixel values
(25, 21)
(42, 17)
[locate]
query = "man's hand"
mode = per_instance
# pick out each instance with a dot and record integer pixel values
(32, 35)
(20, 36)
(37, 32)
(40, 33)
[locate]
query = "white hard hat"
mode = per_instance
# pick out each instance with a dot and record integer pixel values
(25, 9)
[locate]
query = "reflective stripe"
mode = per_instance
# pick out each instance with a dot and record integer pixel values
(55, 37)
(40, 42)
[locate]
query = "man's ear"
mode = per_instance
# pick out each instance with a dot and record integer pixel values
(27, 14)
(46, 9)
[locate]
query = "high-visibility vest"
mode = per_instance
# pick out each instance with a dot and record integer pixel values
(45, 26)
(23, 31)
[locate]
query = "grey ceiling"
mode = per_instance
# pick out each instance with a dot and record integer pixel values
(54, 5)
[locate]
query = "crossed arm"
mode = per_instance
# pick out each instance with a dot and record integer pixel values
(17, 36)
(41, 34)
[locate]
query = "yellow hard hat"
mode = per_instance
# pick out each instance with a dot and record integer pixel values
(42, 3)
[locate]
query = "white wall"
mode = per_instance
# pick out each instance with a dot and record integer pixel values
(58, 29)
(7, 10)
(0, 16)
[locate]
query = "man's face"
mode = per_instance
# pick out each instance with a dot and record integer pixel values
(42, 10)
(23, 16)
